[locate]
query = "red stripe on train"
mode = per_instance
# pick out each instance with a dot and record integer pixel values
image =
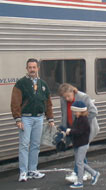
(61, 4)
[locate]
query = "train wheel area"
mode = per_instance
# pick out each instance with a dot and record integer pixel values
(51, 156)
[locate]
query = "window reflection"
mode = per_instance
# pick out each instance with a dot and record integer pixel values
(51, 72)
(76, 73)
(55, 72)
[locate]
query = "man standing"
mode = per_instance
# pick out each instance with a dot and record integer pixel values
(30, 100)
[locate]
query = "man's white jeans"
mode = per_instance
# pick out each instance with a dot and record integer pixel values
(29, 143)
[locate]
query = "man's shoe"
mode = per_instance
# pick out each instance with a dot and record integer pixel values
(23, 177)
(76, 185)
(95, 178)
(35, 175)
(71, 177)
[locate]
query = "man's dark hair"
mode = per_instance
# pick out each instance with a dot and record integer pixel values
(32, 60)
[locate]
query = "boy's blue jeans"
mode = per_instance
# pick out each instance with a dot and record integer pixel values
(80, 154)
(75, 167)
(29, 143)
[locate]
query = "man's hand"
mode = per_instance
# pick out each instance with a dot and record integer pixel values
(51, 124)
(20, 125)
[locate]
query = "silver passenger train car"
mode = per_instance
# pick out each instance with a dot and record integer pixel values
(69, 38)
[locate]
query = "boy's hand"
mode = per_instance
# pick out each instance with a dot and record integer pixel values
(68, 131)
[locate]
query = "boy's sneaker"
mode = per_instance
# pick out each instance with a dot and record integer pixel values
(76, 185)
(95, 178)
(35, 174)
(23, 177)
(71, 177)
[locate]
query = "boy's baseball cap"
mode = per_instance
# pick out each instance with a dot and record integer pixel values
(79, 106)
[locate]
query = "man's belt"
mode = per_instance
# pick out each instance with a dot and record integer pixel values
(30, 115)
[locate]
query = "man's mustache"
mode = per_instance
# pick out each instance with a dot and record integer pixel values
(32, 72)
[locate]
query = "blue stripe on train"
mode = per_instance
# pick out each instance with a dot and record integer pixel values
(11, 10)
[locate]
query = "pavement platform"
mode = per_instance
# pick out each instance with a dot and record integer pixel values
(56, 172)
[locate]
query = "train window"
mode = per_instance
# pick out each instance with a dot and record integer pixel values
(55, 72)
(51, 72)
(100, 75)
(75, 73)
